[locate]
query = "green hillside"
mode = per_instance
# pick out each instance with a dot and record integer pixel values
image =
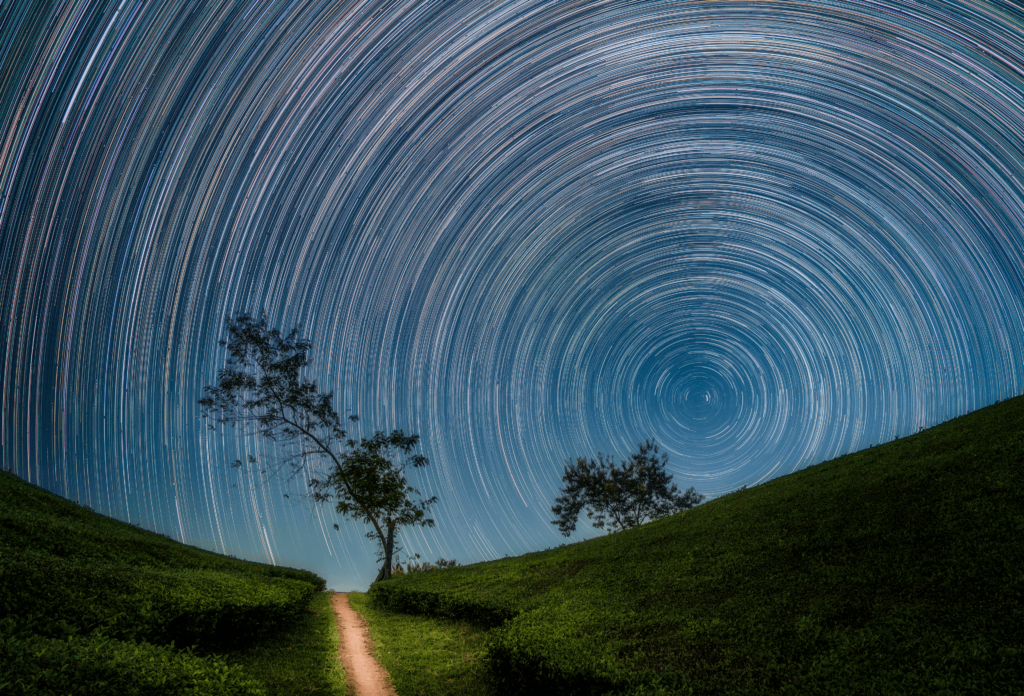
(90, 605)
(895, 570)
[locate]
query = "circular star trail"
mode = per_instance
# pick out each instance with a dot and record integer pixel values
(764, 234)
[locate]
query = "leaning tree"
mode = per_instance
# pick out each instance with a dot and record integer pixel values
(261, 390)
(620, 497)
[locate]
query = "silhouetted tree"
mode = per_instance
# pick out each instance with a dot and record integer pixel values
(415, 565)
(620, 497)
(260, 389)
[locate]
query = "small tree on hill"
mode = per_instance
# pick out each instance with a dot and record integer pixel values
(619, 497)
(260, 389)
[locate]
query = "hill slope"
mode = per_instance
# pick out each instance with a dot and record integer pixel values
(898, 569)
(92, 605)
(39, 521)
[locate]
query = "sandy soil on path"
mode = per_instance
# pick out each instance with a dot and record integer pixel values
(364, 674)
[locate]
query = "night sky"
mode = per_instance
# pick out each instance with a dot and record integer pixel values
(762, 233)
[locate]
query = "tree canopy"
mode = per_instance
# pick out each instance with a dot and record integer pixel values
(619, 497)
(261, 389)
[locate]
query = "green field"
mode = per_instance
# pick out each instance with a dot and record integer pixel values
(895, 570)
(90, 605)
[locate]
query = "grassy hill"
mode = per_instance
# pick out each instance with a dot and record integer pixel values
(90, 605)
(895, 570)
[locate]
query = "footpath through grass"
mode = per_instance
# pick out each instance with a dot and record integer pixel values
(90, 605)
(426, 656)
(898, 569)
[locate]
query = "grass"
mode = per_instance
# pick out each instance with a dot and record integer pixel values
(898, 569)
(90, 605)
(425, 656)
(301, 659)
(36, 521)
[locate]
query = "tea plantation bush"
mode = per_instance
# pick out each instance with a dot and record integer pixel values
(448, 605)
(99, 666)
(895, 570)
(33, 520)
(94, 606)
(210, 609)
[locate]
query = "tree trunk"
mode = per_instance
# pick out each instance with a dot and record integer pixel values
(389, 547)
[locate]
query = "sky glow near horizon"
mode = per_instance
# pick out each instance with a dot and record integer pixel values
(764, 234)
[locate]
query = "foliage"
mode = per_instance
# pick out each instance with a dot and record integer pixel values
(371, 477)
(210, 609)
(454, 606)
(261, 390)
(417, 566)
(301, 658)
(33, 520)
(427, 656)
(892, 570)
(96, 606)
(622, 497)
(99, 666)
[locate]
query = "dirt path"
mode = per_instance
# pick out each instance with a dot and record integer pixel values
(364, 674)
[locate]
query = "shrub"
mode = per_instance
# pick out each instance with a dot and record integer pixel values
(893, 570)
(421, 567)
(395, 597)
(35, 521)
(99, 666)
(96, 606)
(210, 609)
